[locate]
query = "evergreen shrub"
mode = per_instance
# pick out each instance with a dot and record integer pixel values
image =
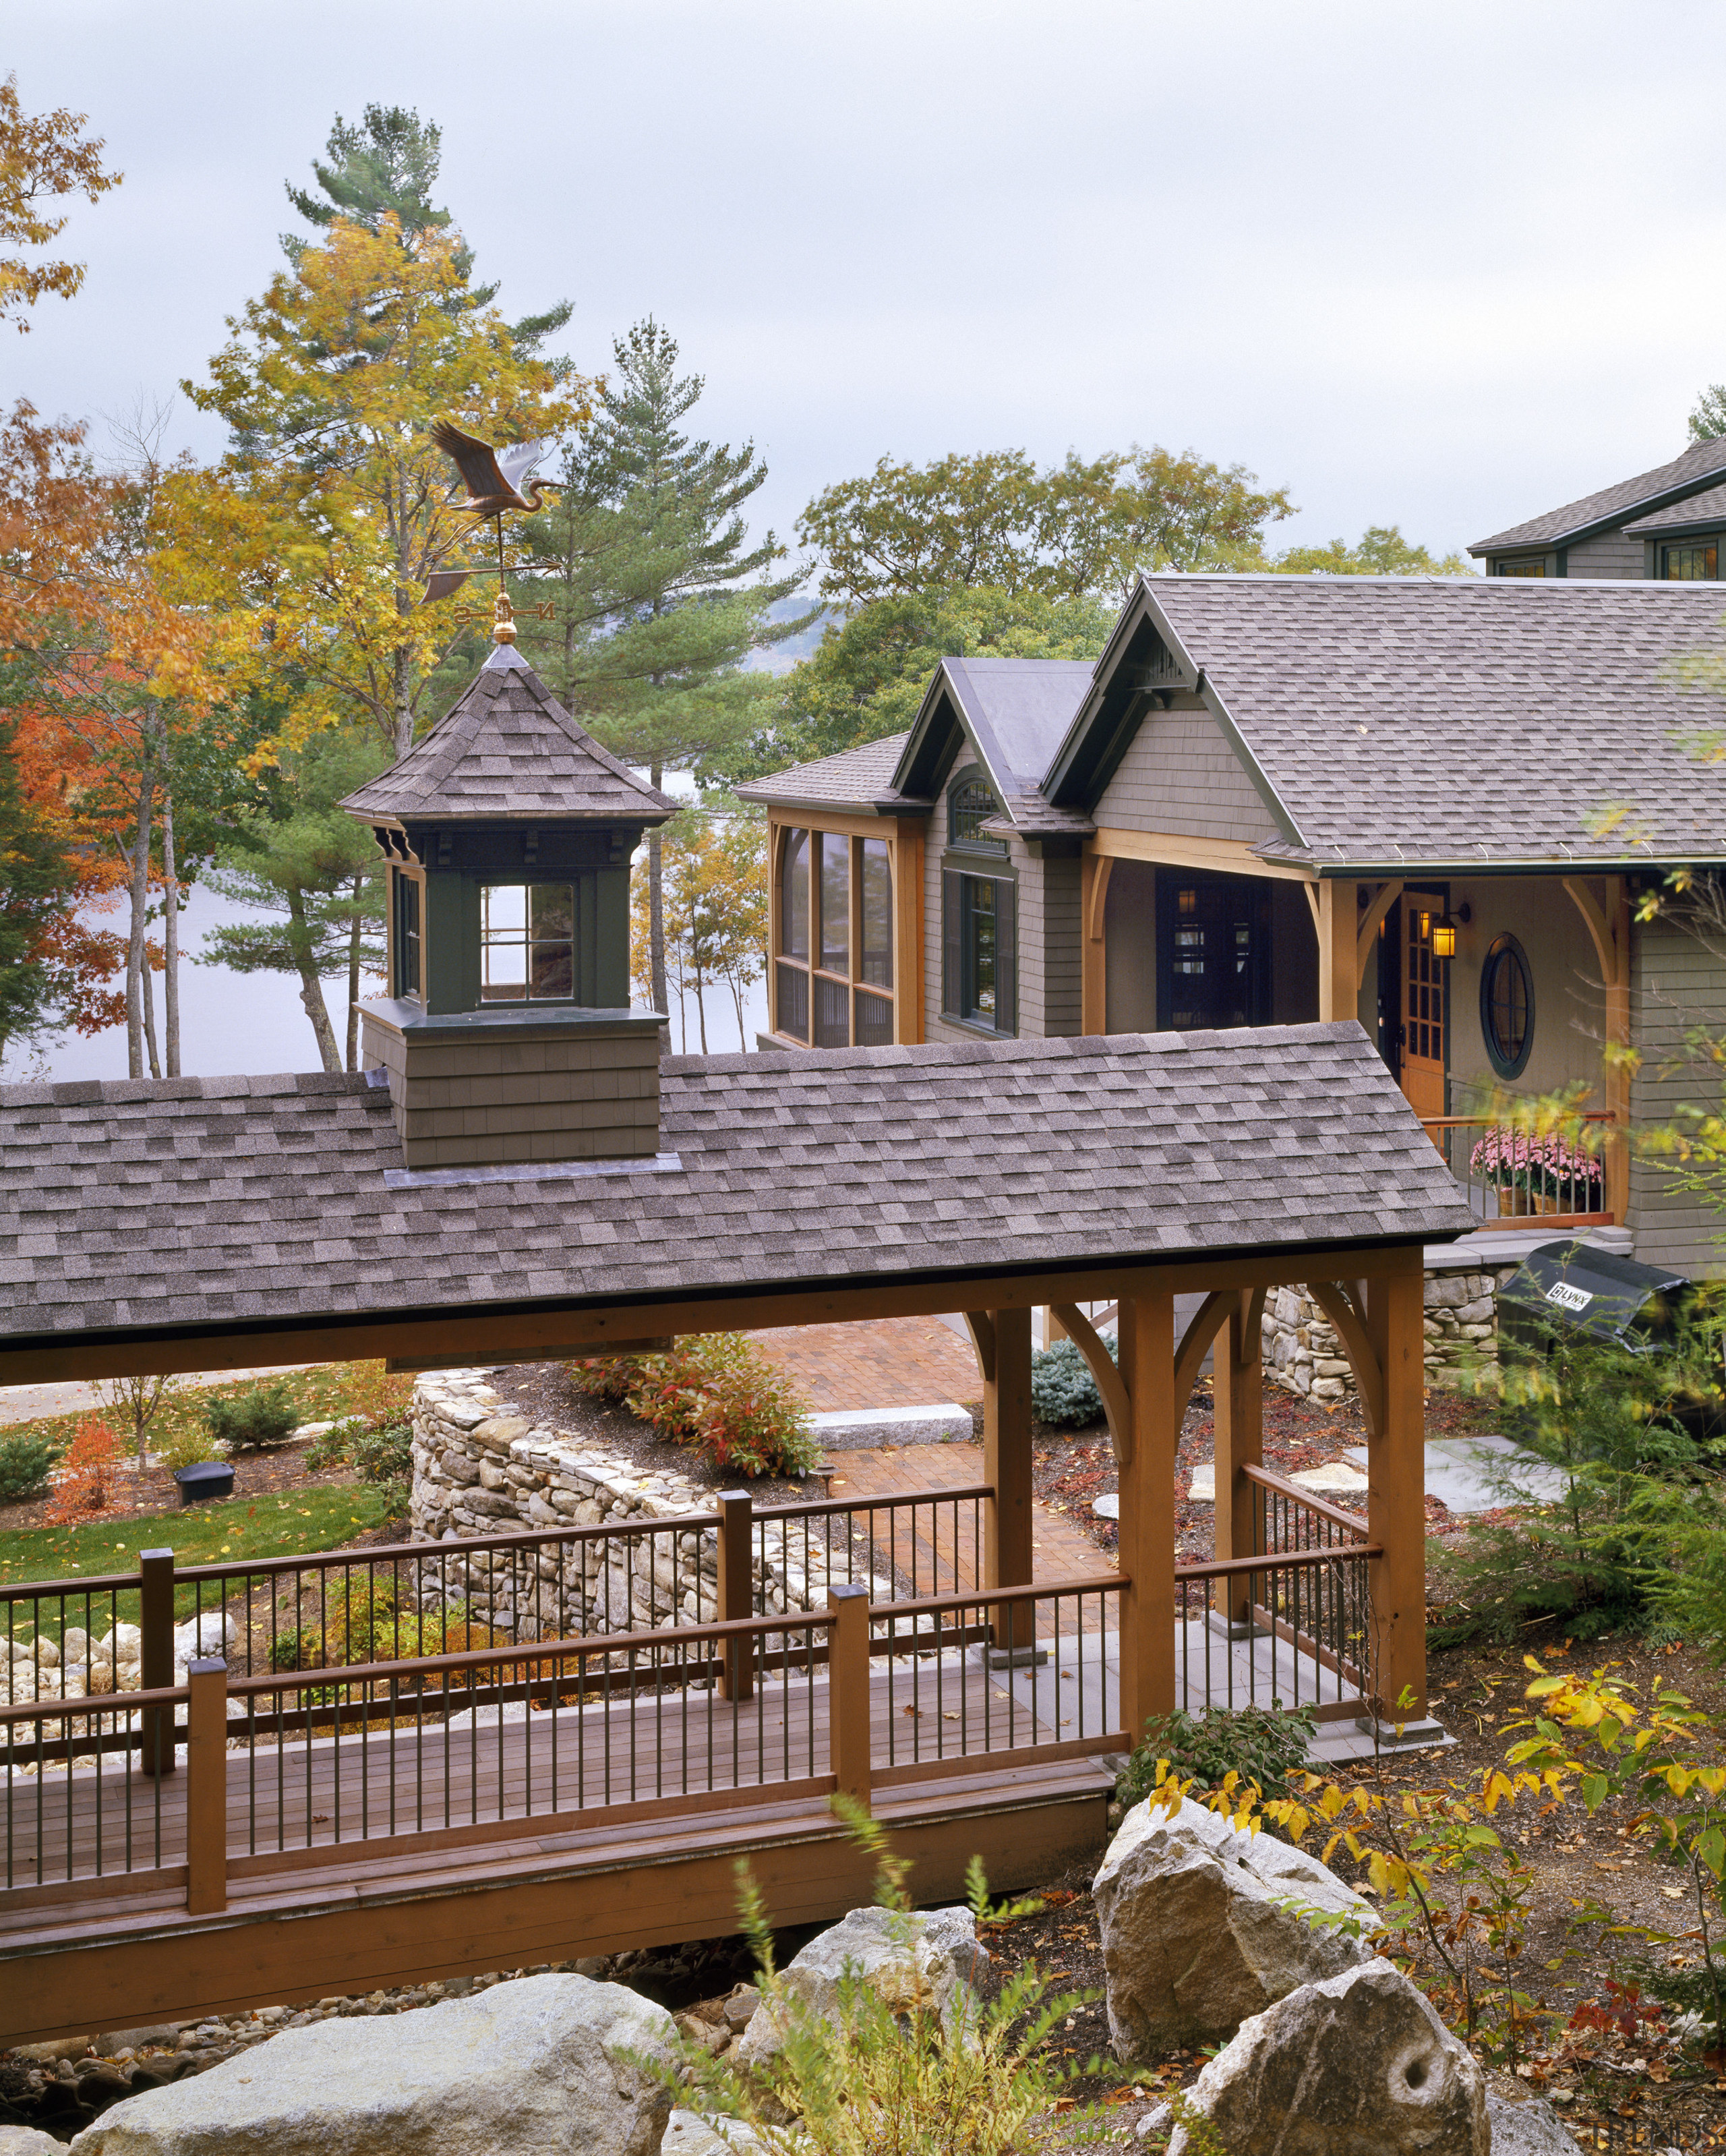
(24, 1465)
(1063, 1392)
(254, 1420)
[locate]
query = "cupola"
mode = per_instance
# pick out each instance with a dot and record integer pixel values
(507, 1035)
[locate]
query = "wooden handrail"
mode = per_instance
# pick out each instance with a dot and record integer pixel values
(1491, 1123)
(1231, 1567)
(1015, 1590)
(1268, 1479)
(95, 1703)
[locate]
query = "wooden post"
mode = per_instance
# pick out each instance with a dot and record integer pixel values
(736, 1590)
(207, 1790)
(1093, 948)
(1338, 962)
(156, 1658)
(849, 1731)
(907, 903)
(1007, 1465)
(1395, 1495)
(1147, 1523)
(1238, 1422)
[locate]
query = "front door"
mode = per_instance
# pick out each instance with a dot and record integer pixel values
(1423, 1008)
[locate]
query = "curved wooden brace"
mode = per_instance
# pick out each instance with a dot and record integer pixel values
(982, 1338)
(1377, 907)
(1106, 1372)
(1606, 945)
(1208, 1320)
(1099, 895)
(1332, 1298)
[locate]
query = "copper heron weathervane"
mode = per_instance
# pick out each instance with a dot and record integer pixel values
(494, 479)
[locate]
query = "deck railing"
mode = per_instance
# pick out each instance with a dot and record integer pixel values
(225, 1776)
(1516, 1175)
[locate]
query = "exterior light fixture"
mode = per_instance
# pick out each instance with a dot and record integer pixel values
(1444, 937)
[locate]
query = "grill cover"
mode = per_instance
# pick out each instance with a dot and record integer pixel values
(1568, 1285)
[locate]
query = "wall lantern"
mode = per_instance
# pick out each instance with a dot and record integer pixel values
(1444, 933)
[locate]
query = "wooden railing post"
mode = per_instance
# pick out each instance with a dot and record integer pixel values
(156, 1658)
(849, 1731)
(1238, 1390)
(1008, 1468)
(207, 1790)
(736, 1510)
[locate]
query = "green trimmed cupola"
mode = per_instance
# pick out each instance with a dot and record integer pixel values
(507, 1034)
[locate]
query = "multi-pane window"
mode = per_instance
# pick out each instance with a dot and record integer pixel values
(978, 950)
(410, 979)
(527, 942)
(1535, 568)
(833, 971)
(969, 804)
(1213, 951)
(1423, 990)
(1695, 564)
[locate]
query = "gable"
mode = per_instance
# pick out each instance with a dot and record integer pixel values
(1180, 773)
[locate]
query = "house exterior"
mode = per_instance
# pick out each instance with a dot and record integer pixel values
(1429, 804)
(1665, 525)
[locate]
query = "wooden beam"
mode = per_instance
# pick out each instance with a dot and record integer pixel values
(1147, 1518)
(1105, 1372)
(1238, 1422)
(1007, 1558)
(535, 1334)
(1180, 850)
(1366, 939)
(1350, 1319)
(1396, 1497)
(907, 843)
(1093, 976)
(1339, 985)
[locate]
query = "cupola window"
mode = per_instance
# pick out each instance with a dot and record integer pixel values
(527, 942)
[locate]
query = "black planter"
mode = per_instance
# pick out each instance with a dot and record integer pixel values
(210, 1478)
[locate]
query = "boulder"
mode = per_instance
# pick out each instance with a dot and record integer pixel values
(26, 2141)
(937, 1969)
(206, 1634)
(1202, 1925)
(688, 2133)
(542, 2065)
(1357, 2065)
(1531, 2127)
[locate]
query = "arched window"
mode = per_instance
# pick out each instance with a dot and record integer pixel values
(971, 802)
(1507, 1006)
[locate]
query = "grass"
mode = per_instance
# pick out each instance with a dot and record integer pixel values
(234, 1530)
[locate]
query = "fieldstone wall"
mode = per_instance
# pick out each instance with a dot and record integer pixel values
(1303, 1355)
(482, 1468)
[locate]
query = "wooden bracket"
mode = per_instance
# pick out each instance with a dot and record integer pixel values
(1333, 1298)
(1208, 1320)
(1098, 896)
(1614, 963)
(1371, 921)
(982, 1335)
(1117, 1405)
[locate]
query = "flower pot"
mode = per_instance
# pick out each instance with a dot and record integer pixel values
(1544, 1204)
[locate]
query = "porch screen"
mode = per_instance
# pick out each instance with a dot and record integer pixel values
(833, 967)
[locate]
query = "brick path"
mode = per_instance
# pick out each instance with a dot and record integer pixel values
(877, 1362)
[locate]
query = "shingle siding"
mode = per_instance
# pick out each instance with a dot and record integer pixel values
(1180, 775)
(1049, 956)
(1611, 554)
(1677, 984)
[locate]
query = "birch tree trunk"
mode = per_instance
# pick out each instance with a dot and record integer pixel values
(138, 895)
(353, 979)
(170, 936)
(656, 909)
(311, 988)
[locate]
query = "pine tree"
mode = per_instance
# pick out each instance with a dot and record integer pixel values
(663, 595)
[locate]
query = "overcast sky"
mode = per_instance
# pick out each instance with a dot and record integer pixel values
(1444, 265)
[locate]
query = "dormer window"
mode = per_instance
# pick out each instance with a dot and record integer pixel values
(527, 942)
(1696, 563)
(971, 804)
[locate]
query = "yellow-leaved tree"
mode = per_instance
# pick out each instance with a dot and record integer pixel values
(332, 506)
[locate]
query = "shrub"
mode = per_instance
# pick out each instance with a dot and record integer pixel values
(24, 1465)
(1063, 1392)
(372, 1622)
(717, 1392)
(383, 1457)
(254, 1420)
(84, 1485)
(1261, 1745)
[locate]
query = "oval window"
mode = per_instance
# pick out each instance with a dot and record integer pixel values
(1507, 1006)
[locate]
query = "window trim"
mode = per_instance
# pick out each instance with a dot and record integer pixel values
(1501, 948)
(813, 972)
(529, 881)
(402, 879)
(1704, 543)
(954, 875)
(970, 842)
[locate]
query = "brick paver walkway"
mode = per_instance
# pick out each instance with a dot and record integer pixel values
(876, 1362)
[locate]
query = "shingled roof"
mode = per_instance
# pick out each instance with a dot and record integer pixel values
(507, 750)
(1458, 721)
(1694, 512)
(197, 1205)
(1596, 512)
(854, 779)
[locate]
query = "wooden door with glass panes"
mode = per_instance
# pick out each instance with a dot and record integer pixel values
(1423, 1008)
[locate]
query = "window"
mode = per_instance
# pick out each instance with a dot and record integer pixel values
(1213, 951)
(1507, 1006)
(971, 802)
(1536, 568)
(409, 980)
(527, 942)
(1695, 564)
(835, 897)
(978, 949)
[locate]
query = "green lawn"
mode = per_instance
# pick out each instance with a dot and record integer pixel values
(231, 1528)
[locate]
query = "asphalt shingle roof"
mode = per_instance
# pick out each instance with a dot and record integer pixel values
(854, 779)
(1468, 719)
(1018, 711)
(1708, 507)
(507, 750)
(1694, 466)
(209, 1203)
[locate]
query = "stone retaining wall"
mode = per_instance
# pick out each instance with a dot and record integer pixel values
(481, 1467)
(1303, 1355)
